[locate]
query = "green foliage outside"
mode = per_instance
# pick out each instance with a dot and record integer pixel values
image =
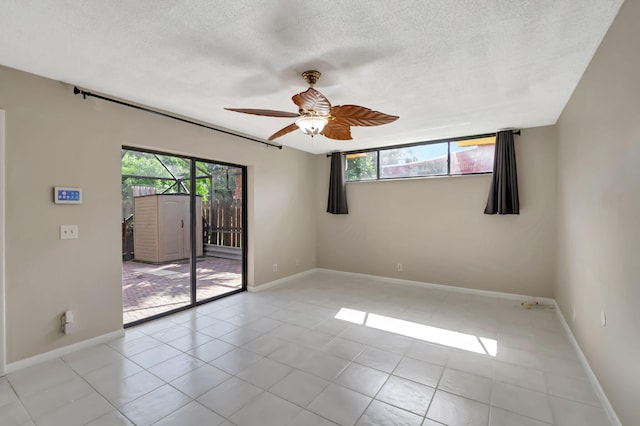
(362, 168)
(170, 175)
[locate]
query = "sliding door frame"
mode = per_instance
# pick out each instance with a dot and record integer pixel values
(193, 259)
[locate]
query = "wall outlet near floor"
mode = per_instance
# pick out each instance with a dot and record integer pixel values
(603, 319)
(67, 322)
(399, 266)
(275, 267)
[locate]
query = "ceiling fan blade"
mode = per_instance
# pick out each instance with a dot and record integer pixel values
(265, 112)
(290, 128)
(355, 115)
(337, 129)
(312, 100)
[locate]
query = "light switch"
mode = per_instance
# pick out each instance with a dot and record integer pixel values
(68, 232)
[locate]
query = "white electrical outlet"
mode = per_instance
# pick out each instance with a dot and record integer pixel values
(67, 322)
(275, 267)
(399, 266)
(68, 232)
(603, 318)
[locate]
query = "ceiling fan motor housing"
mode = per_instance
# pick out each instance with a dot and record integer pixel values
(311, 77)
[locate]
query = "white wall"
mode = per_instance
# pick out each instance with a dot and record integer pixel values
(2, 234)
(56, 138)
(436, 227)
(598, 212)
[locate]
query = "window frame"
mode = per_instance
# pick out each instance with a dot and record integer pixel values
(413, 144)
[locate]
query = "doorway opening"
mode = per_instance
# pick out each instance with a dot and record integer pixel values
(183, 233)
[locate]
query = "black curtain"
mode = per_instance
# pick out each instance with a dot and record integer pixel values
(503, 194)
(337, 189)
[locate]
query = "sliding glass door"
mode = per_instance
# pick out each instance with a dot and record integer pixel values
(219, 271)
(183, 233)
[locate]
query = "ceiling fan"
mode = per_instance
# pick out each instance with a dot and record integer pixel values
(316, 116)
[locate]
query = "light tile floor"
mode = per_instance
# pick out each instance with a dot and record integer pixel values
(281, 357)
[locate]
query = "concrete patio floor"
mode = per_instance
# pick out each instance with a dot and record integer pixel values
(151, 289)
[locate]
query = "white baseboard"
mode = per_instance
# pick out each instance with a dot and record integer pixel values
(65, 350)
(502, 295)
(606, 405)
(280, 281)
(510, 296)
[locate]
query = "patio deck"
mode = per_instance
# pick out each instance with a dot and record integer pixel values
(150, 289)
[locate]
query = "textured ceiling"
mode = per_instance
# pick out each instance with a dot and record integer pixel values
(446, 67)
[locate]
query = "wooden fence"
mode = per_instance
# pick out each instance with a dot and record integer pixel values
(127, 238)
(223, 223)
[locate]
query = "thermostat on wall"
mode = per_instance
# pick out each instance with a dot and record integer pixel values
(63, 195)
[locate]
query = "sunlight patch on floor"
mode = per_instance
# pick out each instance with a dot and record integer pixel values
(441, 336)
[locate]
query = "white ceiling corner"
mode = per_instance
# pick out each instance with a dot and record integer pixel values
(446, 67)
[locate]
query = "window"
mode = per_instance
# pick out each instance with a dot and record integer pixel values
(472, 156)
(420, 160)
(462, 156)
(362, 166)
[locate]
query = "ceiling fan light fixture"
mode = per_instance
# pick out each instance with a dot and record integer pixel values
(311, 125)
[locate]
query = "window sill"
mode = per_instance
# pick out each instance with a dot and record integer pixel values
(420, 177)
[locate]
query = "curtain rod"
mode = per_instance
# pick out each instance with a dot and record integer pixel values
(408, 145)
(84, 94)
